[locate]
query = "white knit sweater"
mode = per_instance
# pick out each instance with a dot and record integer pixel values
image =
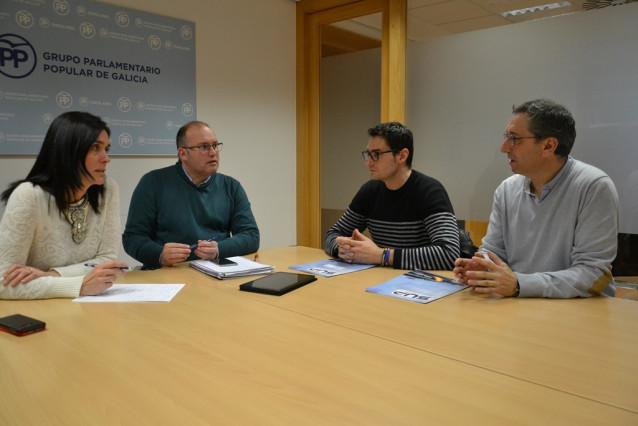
(34, 233)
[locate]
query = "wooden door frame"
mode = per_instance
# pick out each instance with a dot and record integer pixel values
(311, 14)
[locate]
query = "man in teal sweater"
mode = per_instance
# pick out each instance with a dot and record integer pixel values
(189, 210)
(553, 230)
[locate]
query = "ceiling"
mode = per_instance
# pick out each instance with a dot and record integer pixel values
(428, 19)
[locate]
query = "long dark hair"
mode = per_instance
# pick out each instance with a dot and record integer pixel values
(61, 162)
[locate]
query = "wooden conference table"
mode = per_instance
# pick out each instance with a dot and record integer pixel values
(327, 353)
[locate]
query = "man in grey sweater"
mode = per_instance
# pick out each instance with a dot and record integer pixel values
(553, 229)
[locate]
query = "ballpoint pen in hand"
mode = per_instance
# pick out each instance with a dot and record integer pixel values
(93, 265)
(194, 246)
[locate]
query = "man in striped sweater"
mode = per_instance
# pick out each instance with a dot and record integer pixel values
(409, 215)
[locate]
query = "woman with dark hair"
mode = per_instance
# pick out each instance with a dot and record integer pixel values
(60, 233)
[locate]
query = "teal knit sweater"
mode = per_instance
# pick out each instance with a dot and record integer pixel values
(166, 207)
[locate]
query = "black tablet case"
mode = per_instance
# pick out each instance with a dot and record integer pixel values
(278, 283)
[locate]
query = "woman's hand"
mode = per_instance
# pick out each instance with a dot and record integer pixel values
(102, 277)
(22, 274)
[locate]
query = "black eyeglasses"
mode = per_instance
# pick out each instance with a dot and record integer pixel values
(205, 148)
(374, 155)
(513, 139)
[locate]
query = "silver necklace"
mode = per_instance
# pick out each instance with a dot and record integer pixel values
(76, 215)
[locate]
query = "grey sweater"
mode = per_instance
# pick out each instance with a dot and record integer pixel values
(563, 246)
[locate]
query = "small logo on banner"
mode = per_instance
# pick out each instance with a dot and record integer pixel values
(154, 42)
(17, 56)
(64, 99)
(87, 30)
(124, 104)
(125, 140)
(186, 32)
(61, 7)
(187, 110)
(24, 18)
(122, 19)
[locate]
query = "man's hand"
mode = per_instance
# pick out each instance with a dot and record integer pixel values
(486, 276)
(207, 250)
(359, 249)
(174, 253)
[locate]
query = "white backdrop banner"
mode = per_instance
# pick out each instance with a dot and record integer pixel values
(134, 69)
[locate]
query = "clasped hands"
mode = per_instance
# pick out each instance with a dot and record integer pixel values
(486, 276)
(359, 249)
(173, 253)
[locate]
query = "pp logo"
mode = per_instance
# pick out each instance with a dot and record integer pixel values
(124, 104)
(87, 30)
(81, 10)
(125, 140)
(121, 19)
(186, 32)
(61, 7)
(2, 137)
(17, 57)
(154, 42)
(187, 110)
(141, 140)
(47, 118)
(64, 99)
(141, 105)
(24, 18)
(84, 101)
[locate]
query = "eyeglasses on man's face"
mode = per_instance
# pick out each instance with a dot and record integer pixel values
(513, 139)
(374, 155)
(205, 148)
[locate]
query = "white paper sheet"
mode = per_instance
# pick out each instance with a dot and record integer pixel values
(135, 293)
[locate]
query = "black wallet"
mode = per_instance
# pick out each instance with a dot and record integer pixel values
(278, 283)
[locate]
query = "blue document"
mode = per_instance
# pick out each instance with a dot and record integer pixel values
(416, 286)
(330, 267)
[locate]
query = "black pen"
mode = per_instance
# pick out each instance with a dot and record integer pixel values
(123, 268)
(194, 246)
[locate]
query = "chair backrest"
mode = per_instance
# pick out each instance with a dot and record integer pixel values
(626, 262)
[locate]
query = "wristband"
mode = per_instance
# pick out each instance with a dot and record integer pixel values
(385, 257)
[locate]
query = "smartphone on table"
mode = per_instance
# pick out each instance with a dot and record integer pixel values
(225, 262)
(21, 325)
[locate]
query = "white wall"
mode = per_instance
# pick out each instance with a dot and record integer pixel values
(461, 89)
(350, 105)
(245, 91)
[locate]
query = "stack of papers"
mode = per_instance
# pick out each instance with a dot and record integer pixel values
(243, 268)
